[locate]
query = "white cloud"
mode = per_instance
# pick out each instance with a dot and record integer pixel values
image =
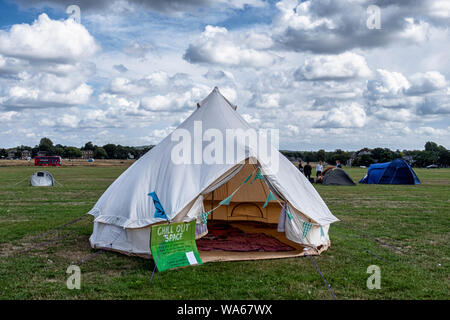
(426, 82)
(433, 132)
(258, 41)
(392, 96)
(156, 135)
(265, 100)
(416, 31)
(387, 83)
(240, 4)
(440, 9)
(46, 64)
(217, 46)
(251, 119)
(69, 120)
(48, 40)
(158, 79)
(220, 75)
(396, 115)
(7, 116)
(344, 116)
(174, 101)
(293, 130)
(123, 85)
(347, 65)
(324, 26)
(25, 95)
(298, 16)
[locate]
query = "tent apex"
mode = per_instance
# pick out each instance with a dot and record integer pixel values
(217, 93)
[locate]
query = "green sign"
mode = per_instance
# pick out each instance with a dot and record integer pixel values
(173, 245)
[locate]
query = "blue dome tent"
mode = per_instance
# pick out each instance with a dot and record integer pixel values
(397, 171)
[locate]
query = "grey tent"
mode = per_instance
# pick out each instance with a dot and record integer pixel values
(337, 177)
(42, 179)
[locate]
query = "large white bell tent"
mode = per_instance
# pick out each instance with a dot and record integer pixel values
(251, 194)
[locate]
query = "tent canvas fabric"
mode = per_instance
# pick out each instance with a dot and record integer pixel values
(42, 179)
(397, 171)
(337, 177)
(124, 213)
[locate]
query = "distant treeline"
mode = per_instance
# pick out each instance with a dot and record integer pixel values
(432, 153)
(108, 151)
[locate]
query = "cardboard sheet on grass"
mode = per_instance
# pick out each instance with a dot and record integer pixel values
(173, 245)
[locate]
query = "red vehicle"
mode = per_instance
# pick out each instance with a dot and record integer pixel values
(47, 161)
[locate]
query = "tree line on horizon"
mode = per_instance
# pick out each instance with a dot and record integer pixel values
(107, 151)
(432, 153)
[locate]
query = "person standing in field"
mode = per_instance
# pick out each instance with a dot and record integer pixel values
(300, 166)
(307, 170)
(319, 169)
(338, 164)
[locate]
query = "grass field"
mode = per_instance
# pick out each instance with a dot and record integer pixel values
(412, 224)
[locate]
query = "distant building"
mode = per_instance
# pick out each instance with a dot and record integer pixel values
(41, 153)
(11, 154)
(356, 155)
(87, 154)
(26, 154)
(130, 156)
(409, 159)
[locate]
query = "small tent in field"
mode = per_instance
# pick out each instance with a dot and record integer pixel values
(42, 179)
(337, 177)
(397, 171)
(246, 209)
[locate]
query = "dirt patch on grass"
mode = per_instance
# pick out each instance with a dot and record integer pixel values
(8, 249)
(377, 203)
(8, 219)
(56, 203)
(436, 181)
(386, 243)
(75, 249)
(54, 239)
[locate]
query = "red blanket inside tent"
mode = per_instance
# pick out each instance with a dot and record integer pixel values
(222, 236)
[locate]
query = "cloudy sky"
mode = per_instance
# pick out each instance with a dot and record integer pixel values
(129, 71)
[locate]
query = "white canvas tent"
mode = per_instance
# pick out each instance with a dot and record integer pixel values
(125, 212)
(42, 179)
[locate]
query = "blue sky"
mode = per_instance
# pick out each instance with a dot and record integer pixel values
(131, 71)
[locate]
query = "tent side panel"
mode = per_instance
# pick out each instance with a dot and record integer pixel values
(109, 236)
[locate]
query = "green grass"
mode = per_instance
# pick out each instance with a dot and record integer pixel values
(412, 219)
